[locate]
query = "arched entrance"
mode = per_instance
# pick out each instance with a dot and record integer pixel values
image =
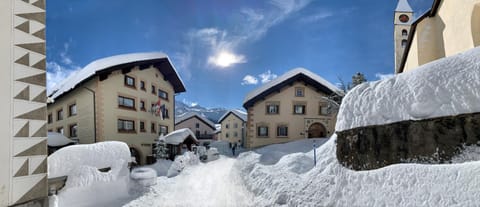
(317, 130)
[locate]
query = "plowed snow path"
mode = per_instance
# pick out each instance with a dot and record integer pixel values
(211, 184)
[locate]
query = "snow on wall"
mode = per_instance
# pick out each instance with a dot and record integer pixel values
(449, 86)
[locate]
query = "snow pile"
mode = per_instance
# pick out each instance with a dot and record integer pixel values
(81, 163)
(161, 166)
(223, 148)
(272, 153)
(330, 184)
(56, 139)
(433, 90)
(181, 162)
(141, 179)
(178, 136)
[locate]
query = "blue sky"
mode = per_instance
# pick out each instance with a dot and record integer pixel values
(224, 49)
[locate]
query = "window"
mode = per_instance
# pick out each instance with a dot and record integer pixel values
(227, 135)
(50, 130)
(262, 131)
(197, 125)
(162, 94)
(60, 130)
(72, 110)
(50, 119)
(272, 108)
(142, 85)
(323, 110)
(154, 90)
(125, 125)
(129, 81)
(142, 105)
(73, 130)
(60, 115)
(282, 131)
(404, 33)
(227, 126)
(235, 125)
(142, 126)
(197, 133)
(163, 129)
(126, 102)
(298, 109)
(404, 43)
(166, 116)
(299, 92)
(152, 128)
(235, 134)
(205, 132)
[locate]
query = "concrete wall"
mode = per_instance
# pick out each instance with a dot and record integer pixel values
(232, 120)
(23, 152)
(297, 124)
(454, 29)
(191, 124)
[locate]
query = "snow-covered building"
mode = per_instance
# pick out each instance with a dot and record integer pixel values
(203, 128)
(447, 28)
(233, 125)
(127, 98)
(290, 107)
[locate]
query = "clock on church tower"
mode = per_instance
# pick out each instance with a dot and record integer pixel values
(403, 18)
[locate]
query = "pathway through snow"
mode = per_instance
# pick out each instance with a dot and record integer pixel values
(210, 184)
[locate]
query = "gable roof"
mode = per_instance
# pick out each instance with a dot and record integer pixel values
(178, 136)
(240, 114)
(190, 115)
(403, 6)
(297, 74)
(430, 13)
(125, 61)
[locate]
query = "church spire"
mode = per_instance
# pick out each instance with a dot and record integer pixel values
(403, 6)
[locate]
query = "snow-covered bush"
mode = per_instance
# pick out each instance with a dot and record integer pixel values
(141, 179)
(182, 161)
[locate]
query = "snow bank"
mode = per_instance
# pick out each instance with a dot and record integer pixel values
(330, 184)
(161, 166)
(433, 90)
(271, 154)
(178, 136)
(81, 163)
(181, 162)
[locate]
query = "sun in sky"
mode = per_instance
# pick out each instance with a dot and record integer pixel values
(225, 59)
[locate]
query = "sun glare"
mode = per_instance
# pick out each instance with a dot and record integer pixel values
(225, 59)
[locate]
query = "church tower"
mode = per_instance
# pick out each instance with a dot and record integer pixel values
(403, 21)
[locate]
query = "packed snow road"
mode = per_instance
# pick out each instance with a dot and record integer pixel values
(210, 184)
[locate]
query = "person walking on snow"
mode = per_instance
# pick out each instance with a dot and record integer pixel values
(234, 145)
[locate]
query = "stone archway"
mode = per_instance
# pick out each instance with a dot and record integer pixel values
(317, 130)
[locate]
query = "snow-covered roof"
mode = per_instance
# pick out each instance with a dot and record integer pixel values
(240, 114)
(100, 65)
(289, 76)
(178, 136)
(189, 115)
(403, 6)
(446, 87)
(57, 140)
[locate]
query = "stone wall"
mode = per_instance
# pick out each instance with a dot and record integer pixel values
(425, 141)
